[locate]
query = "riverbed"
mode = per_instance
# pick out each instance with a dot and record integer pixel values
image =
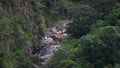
(50, 44)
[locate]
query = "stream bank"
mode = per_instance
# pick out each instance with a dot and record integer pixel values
(52, 39)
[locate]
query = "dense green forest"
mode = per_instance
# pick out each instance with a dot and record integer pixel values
(94, 33)
(94, 40)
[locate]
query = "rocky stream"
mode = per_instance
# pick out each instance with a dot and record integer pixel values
(53, 37)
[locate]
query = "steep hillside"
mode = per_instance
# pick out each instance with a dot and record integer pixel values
(21, 31)
(22, 25)
(94, 36)
(94, 33)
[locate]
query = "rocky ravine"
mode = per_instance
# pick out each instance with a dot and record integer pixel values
(52, 44)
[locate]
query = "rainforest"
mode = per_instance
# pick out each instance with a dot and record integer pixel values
(59, 34)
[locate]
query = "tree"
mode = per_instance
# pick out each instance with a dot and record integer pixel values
(113, 18)
(102, 48)
(67, 64)
(102, 6)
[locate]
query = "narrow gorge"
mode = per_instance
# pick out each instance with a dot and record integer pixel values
(59, 34)
(52, 40)
(23, 26)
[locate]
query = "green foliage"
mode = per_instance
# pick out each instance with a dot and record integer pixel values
(4, 22)
(114, 16)
(98, 43)
(92, 50)
(66, 3)
(36, 5)
(2, 13)
(12, 57)
(96, 46)
(55, 10)
(22, 61)
(66, 57)
(7, 63)
(67, 64)
(70, 48)
(101, 49)
(35, 59)
(47, 20)
(82, 11)
(19, 52)
(85, 14)
(102, 6)
(23, 33)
